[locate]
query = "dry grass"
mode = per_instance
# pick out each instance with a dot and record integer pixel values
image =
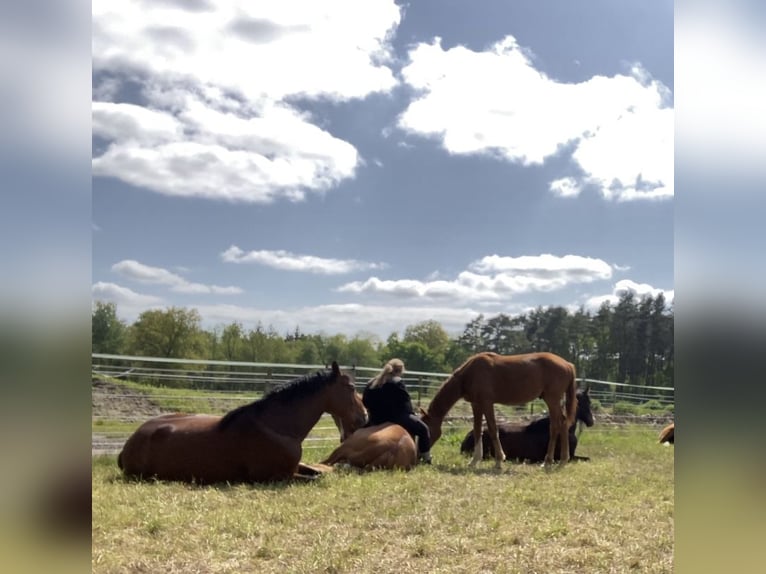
(612, 514)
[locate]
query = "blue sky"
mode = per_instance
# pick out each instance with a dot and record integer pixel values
(357, 167)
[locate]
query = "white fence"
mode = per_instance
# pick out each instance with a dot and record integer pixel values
(219, 386)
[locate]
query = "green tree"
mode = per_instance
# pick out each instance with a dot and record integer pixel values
(361, 352)
(534, 326)
(499, 334)
(472, 340)
(233, 342)
(307, 350)
(661, 347)
(455, 356)
(601, 364)
(581, 343)
(256, 345)
(430, 333)
(415, 354)
(622, 334)
(107, 330)
(172, 333)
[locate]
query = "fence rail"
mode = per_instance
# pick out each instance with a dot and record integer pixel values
(130, 389)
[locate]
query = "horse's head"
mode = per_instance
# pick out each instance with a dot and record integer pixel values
(344, 430)
(584, 412)
(434, 425)
(345, 404)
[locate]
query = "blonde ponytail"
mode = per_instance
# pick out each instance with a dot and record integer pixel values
(393, 367)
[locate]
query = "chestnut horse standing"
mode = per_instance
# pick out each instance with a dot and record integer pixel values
(488, 378)
(258, 442)
(383, 446)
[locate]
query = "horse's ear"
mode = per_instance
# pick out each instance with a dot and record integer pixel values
(335, 368)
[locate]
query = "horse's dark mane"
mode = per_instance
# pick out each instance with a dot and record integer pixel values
(296, 389)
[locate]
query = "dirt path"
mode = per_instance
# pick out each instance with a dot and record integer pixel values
(112, 401)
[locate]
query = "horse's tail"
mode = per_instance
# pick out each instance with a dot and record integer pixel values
(571, 397)
(119, 461)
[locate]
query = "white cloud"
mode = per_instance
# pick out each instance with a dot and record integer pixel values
(292, 262)
(565, 187)
(348, 319)
(214, 122)
(492, 279)
(546, 266)
(158, 276)
(134, 123)
(628, 286)
(496, 102)
(123, 297)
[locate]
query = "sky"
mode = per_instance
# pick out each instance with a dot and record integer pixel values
(359, 167)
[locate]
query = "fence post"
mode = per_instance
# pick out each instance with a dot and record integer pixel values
(420, 388)
(267, 386)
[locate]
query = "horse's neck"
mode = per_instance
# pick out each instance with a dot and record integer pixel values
(294, 419)
(447, 395)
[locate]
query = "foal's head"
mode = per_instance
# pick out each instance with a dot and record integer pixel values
(434, 425)
(344, 403)
(584, 412)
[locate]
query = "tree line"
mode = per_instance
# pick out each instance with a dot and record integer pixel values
(630, 341)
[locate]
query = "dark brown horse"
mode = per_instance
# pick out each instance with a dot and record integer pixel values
(383, 446)
(259, 442)
(530, 441)
(668, 434)
(488, 378)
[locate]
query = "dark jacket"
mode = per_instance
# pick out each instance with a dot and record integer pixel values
(388, 402)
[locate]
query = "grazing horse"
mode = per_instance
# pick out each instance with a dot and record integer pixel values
(530, 441)
(383, 446)
(258, 442)
(488, 378)
(667, 435)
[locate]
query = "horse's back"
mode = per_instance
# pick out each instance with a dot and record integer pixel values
(386, 445)
(515, 379)
(193, 448)
(154, 446)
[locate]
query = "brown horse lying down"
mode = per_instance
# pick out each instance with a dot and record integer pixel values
(259, 442)
(530, 441)
(384, 446)
(667, 435)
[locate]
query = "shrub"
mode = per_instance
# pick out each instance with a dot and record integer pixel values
(653, 405)
(624, 408)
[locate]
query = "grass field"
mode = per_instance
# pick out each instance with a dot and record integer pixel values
(612, 514)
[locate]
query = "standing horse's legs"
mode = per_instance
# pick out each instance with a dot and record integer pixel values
(489, 413)
(564, 434)
(478, 453)
(556, 424)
